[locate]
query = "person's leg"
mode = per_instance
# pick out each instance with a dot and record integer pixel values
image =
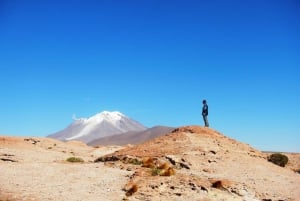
(206, 121)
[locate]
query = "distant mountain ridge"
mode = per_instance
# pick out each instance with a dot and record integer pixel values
(98, 126)
(132, 137)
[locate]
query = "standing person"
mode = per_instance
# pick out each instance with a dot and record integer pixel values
(205, 113)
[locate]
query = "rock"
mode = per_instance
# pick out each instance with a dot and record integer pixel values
(184, 166)
(213, 152)
(8, 160)
(172, 161)
(206, 170)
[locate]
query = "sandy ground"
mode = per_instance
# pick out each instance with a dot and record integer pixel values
(42, 173)
(208, 166)
(36, 181)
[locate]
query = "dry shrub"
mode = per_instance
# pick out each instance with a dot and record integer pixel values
(158, 167)
(167, 172)
(107, 159)
(163, 170)
(155, 171)
(135, 161)
(148, 162)
(217, 184)
(164, 166)
(131, 190)
(75, 160)
(278, 159)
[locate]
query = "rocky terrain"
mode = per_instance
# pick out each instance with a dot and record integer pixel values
(189, 163)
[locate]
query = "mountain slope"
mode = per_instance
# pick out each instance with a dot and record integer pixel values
(132, 137)
(98, 126)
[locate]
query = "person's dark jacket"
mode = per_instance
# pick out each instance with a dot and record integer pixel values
(205, 110)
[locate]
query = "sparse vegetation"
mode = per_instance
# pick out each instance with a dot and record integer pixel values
(158, 167)
(164, 166)
(132, 190)
(217, 184)
(75, 160)
(49, 147)
(155, 171)
(168, 171)
(125, 160)
(278, 159)
(148, 163)
(107, 159)
(135, 161)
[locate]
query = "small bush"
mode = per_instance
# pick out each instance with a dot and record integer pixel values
(278, 159)
(75, 160)
(164, 166)
(218, 184)
(135, 161)
(148, 162)
(167, 172)
(107, 159)
(155, 171)
(132, 190)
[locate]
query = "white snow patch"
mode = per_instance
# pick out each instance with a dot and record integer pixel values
(91, 123)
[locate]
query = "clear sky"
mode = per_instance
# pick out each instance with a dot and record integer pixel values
(154, 61)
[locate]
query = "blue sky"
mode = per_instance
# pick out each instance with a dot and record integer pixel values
(153, 61)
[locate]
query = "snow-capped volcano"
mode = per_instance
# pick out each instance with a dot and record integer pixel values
(100, 125)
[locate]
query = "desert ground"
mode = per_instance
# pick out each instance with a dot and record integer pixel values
(189, 163)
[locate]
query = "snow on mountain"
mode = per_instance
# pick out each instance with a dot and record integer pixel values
(100, 125)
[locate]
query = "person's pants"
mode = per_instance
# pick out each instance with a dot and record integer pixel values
(205, 121)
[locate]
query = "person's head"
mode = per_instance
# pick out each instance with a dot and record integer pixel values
(204, 101)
